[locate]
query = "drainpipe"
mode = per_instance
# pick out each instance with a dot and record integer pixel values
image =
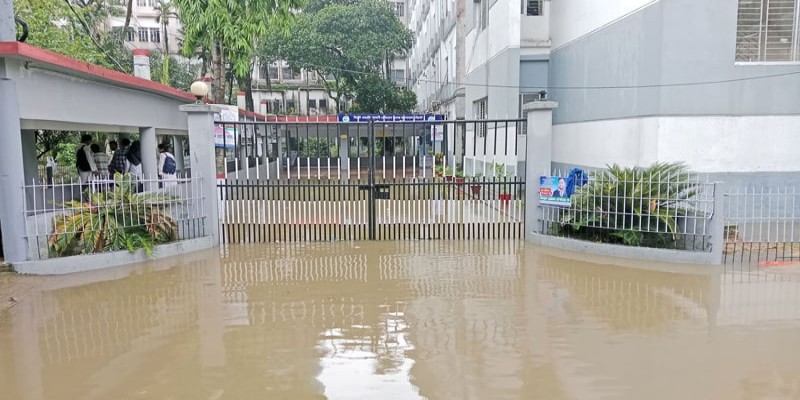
(141, 63)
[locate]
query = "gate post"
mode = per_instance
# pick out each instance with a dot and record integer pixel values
(717, 225)
(203, 159)
(12, 176)
(371, 180)
(538, 158)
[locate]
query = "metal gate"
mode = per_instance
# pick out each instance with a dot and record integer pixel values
(379, 179)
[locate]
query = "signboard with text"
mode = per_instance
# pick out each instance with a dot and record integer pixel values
(553, 191)
(225, 135)
(390, 117)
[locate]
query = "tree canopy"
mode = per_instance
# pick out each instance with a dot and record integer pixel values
(348, 43)
(230, 29)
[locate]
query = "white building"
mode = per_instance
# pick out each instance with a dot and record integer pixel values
(715, 83)
(149, 19)
(290, 91)
(436, 62)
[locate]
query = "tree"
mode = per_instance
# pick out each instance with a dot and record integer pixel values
(165, 10)
(346, 42)
(230, 28)
(180, 75)
(375, 94)
(52, 27)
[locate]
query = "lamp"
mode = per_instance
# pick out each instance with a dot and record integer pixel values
(199, 89)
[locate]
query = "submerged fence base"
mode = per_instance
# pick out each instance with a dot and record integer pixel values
(614, 250)
(90, 262)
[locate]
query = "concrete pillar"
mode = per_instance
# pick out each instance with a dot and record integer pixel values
(241, 101)
(717, 225)
(29, 160)
(203, 160)
(8, 28)
(538, 158)
(344, 153)
(141, 63)
(12, 172)
(177, 151)
(147, 137)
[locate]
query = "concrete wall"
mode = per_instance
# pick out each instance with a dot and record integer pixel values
(572, 19)
(53, 100)
(742, 125)
(535, 29)
(712, 144)
(665, 43)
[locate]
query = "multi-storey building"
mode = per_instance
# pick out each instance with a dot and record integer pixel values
(436, 62)
(154, 26)
(711, 83)
(280, 89)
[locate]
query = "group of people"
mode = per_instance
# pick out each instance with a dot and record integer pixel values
(93, 163)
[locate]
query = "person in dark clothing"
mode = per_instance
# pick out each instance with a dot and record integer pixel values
(134, 161)
(118, 160)
(84, 160)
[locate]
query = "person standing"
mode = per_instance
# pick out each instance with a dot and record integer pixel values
(167, 168)
(134, 161)
(118, 161)
(101, 159)
(84, 160)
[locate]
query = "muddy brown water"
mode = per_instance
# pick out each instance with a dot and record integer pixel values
(387, 320)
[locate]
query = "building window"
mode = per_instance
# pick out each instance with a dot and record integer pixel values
(142, 3)
(323, 105)
(768, 30)
(144, 35)
(290, 107)
(273, 71)
(289, 73)
(532, 7)
(399, 9)
(155, 35)
(131, 35)
(480, 108)
(398, 76)
(312, 104)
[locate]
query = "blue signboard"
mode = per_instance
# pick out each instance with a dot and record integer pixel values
(390, 117)
(553, 191)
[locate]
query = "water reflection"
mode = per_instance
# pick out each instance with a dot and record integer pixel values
(437, 320)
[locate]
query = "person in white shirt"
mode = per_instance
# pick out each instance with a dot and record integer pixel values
(167, 168)
(84, 160)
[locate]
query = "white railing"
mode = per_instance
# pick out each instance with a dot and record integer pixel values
(70, 218)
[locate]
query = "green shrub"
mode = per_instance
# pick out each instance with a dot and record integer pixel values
(630, 206)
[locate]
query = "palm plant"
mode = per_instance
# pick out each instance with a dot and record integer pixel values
(631, 206)
(119, 219)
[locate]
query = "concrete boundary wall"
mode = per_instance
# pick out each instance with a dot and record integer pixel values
(91, 262)
(613, 250)
(539, 160)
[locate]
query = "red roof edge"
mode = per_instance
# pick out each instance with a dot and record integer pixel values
(256, 116)
(33, 53)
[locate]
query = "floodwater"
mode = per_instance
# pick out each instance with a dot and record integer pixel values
(399, 320)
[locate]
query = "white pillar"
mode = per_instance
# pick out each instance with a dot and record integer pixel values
(203, 161)
(241, 101)
(538, 157)
(141, 63)
(147, 138)
(12, 172)
(30, 162)
(177, 151)
(8, 28)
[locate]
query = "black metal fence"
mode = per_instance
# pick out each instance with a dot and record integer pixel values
(321, 182)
